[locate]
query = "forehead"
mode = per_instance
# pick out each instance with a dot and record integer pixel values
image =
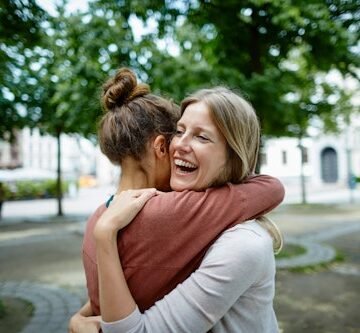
(197, 115)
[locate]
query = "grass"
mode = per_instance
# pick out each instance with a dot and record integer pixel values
(316, 208)
(14, 314)
(311, 208)
(340, 257)
(291, 250)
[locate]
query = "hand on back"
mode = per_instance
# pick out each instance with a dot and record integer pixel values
(122, 210)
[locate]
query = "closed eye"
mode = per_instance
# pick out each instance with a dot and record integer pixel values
(179, 133)
(203, 138)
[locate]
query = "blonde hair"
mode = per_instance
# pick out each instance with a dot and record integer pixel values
(274, 231)
(237, 121)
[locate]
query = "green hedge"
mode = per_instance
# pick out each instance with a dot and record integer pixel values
(2, 309)
(22, 190)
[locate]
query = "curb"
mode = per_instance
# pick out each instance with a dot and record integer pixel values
(315, 254)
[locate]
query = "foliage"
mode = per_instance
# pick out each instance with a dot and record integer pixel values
(22, 190)
(274, 51)
(277, 53)
(19, 30)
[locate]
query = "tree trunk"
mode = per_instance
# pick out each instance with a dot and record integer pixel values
(302, 175)
(260, 155)
(58, 182)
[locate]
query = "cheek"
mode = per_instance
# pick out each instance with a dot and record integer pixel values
(171, 146)
(218, 160)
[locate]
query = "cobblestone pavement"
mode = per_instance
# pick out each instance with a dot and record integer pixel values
(53, 306)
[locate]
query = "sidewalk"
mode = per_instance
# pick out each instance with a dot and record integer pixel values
(74, 209)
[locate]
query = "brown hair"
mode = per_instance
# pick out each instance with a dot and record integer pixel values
(132, 117)
(237, 121)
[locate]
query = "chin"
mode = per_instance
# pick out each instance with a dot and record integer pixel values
(175, 186)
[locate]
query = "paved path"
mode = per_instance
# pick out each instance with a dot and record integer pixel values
(53, 306)
(316, 252)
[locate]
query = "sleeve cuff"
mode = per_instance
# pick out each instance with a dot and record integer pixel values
(123, 325)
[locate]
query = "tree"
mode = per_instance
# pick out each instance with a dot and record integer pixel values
(261, 45)
(20, 24)
(274, 51)
(77, 53)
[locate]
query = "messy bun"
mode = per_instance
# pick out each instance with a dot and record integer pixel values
(133, 117)
(121, 89)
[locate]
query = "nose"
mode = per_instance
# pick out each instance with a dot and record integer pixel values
(181, 143)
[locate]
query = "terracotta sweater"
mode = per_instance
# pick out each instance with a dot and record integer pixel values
(167, 240)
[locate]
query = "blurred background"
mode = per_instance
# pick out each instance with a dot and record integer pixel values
(297, 61)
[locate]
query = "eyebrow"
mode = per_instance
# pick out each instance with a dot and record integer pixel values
(212, 136)
(197, 128)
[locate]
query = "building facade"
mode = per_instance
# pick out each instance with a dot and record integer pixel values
(328, 159)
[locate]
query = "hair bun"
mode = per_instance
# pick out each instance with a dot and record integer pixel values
(122, 88)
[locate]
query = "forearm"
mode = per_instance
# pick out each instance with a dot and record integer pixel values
(116, 301)
(256, 196)
(84, 321)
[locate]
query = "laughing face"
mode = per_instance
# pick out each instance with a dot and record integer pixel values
(198, 150)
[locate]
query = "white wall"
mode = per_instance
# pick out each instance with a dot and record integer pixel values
(40, 152)
(274, 149)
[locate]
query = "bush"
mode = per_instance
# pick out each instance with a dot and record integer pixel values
(22, 190)
(2, 309)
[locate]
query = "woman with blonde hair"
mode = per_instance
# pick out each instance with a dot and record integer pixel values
(215, 145)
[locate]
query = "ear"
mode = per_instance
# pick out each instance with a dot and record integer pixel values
(160, 146)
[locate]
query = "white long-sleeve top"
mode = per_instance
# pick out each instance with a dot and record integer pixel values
(231, 292)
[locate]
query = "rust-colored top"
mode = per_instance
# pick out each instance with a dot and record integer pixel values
(168, 239)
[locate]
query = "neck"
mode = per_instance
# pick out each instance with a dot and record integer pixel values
(133, 176)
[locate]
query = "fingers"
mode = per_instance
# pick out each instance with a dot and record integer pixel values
(145, 196)
(132, 194)
(137, 193)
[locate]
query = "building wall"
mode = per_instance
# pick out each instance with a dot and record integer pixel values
(40, 152)
(283, 157)
(10, 154)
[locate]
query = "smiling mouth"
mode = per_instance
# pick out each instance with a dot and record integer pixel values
(185, 167)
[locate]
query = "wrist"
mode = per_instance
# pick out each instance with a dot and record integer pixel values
(105, 233)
